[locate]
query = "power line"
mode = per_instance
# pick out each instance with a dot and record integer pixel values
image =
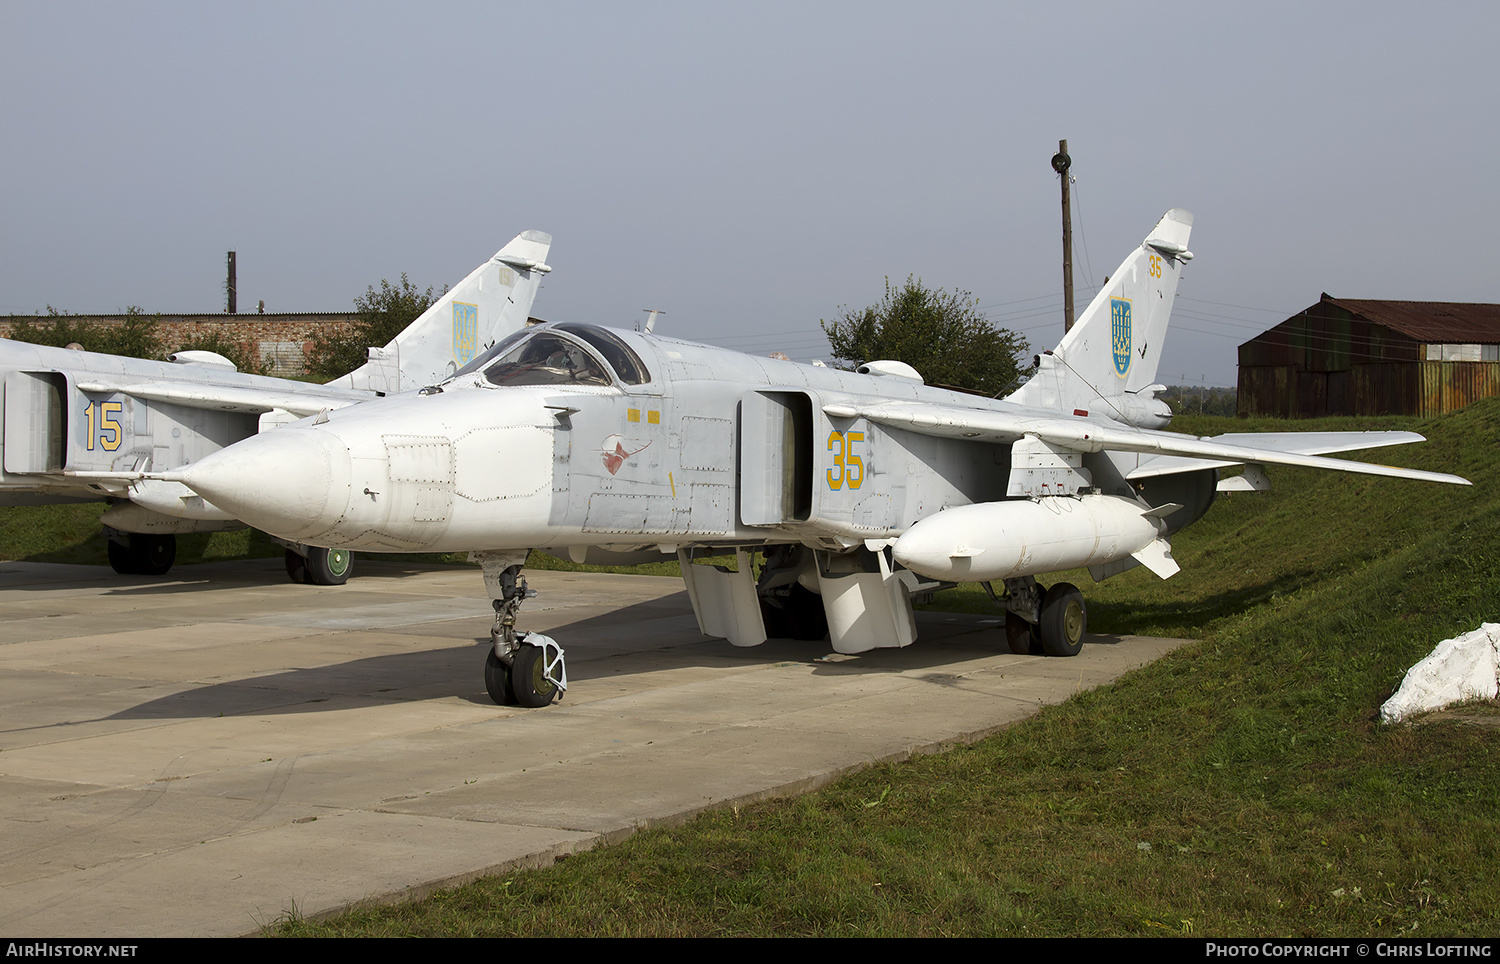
(1083, 241)
(1225, 304)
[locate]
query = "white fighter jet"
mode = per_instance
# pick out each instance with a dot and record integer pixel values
(83, 427)
(857, 489)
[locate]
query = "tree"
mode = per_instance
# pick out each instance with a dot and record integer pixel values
(134, 334)
(943, 336)
(383, 315)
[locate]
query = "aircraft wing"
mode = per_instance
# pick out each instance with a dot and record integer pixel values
(229, 398)
(1299, 443)
(1090, 435)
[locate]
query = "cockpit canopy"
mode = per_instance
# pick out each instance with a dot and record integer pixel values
(559, 355)
(546, 359)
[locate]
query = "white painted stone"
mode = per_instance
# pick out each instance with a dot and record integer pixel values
(1458, 669)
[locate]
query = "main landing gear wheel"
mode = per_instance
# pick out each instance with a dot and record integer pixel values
(1025, 638)
(1064, 619)
(320, 567)
(145, 555)
(119, 559)
(329, 567)
(296, 566)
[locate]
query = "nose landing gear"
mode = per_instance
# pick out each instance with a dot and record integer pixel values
(521, 669)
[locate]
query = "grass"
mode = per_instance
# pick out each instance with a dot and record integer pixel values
(70, 534)
(1239, 786)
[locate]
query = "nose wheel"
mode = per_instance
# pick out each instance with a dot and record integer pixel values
(532, 675)
(497, 680)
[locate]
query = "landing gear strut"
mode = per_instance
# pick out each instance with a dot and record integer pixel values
(1025, 639)
(139, 554)
(789, 609)
(521, 669)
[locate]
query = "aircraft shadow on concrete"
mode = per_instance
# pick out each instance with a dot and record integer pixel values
(651, 636)
(632, 641)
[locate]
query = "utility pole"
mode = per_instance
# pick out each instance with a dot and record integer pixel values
(1060, 163)
(229, 286)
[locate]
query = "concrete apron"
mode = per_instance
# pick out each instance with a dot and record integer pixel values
(202, 753)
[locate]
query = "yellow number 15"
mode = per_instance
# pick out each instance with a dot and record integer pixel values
(104, 425)
(848, 468)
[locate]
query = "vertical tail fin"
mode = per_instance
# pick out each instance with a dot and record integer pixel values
(1115, 346)
(493, 301)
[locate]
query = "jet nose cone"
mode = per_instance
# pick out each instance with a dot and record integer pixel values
(292, 483)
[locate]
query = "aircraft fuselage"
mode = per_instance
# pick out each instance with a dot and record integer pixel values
(710, 447)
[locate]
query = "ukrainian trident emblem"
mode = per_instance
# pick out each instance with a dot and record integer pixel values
(465, 332)
(1119, 311)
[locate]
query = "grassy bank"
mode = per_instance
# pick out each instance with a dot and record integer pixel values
(1238, 786)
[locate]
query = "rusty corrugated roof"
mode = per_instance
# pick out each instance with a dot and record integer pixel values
(1429, 321)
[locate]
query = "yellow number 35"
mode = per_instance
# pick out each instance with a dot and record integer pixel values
(848, 468)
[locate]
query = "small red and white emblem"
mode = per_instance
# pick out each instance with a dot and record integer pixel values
(615, 453)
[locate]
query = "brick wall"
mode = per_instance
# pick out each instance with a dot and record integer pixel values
(277, 341)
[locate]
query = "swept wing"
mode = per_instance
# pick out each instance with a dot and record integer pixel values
(1095, 435)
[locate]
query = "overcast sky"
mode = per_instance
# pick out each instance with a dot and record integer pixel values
(749, 168)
